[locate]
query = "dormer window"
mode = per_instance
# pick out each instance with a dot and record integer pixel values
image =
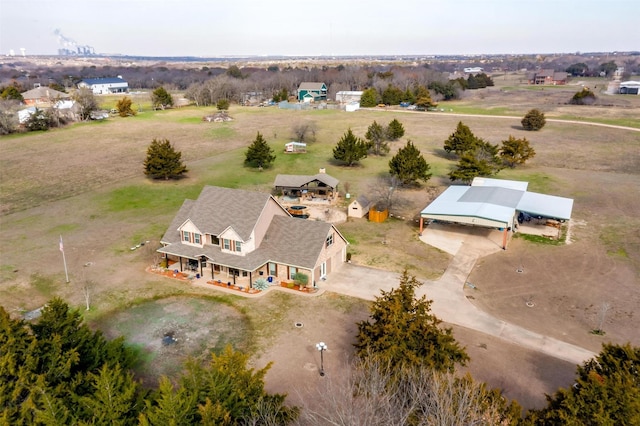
(197, 238)
(215, 240)
(238, 246)
(185, 237)
(226, 244)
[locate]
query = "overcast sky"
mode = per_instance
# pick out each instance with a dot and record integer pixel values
(313, 27)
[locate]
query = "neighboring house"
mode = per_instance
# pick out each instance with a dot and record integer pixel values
(43, 96)
(25, 114)
(473, 70)
(348, 96)
(312, 92)
(359, 207)
(494, 203)
(317, 187)
(104, 86)
(548, 76)
(238, 236)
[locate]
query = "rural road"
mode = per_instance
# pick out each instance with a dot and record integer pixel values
(450, 303)
(510, 117)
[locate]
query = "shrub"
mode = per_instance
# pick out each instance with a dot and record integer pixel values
(583, 97)
(300, 279)
(261, 284)
(533, 120)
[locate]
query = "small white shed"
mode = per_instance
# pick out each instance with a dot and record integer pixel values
(359, 207)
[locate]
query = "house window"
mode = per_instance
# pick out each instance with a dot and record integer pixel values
(292, 272)
(238, 246)
(185, 236)
(330, 240)
(196, 238)
(273, 269)
(215, 240)
(226, 244)
(245, 273)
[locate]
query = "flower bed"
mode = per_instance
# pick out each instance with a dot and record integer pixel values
(230, 286)
(169, 273)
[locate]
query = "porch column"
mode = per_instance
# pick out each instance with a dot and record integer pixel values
(212, 277)
(250, 280)
(180, 263)
(421, 225)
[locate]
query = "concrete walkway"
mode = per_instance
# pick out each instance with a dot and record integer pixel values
(450, 303)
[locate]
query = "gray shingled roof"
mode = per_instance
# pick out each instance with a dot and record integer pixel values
(104, 80)
(308, 85)
(219, 208)
(296, 242)
(298, 181)
(289, 241)
(44, 92)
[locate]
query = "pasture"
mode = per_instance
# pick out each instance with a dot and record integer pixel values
(86, 183)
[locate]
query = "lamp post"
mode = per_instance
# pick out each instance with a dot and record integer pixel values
(321, 347)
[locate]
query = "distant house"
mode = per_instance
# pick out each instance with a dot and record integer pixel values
(318, 187)
(548, 76)
(43, 96)
(312, 92)
(104, 86)
(238, 236)
(359, 207)
(473, 70)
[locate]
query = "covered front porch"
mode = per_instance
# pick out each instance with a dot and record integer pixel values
(206, 268)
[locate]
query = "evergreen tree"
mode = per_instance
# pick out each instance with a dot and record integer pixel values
(606, 392)
(350, 149)
(483, 161)
(402, 331)
(392, 95)
(223, 104)
(395, 130)
(38, 121)
(228, 391)
(11, 93)
(583, 97)
(377, 138)
(124, 107)
(409, 165)
(259, 154)
(516, 151)
(423, 98)
(160, 98)
(163, 161)
(533, 120)
(369, 98)
(461, 141)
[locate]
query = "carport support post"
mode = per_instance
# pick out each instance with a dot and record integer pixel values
(504, 238)
(421, 225)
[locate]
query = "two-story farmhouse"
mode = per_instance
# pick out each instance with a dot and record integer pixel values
(312, 92)
(104, 86)
(238, 236)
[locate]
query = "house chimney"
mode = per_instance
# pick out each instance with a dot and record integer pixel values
(323, 170)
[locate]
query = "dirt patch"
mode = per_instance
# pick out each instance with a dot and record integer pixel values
(167, 331)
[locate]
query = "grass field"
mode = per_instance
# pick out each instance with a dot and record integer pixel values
(86, 182)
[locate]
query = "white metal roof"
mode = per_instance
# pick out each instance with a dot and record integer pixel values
(495, 201)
